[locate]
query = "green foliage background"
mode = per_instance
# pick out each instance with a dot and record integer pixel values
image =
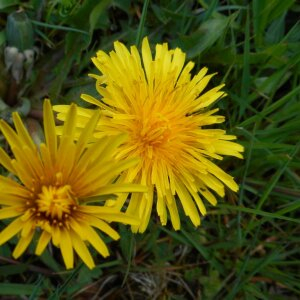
(248, 246)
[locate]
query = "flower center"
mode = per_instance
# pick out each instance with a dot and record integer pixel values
(56, 202)
(151, 134)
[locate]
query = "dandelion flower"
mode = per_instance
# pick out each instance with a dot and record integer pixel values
(166, 114)
(53, 184)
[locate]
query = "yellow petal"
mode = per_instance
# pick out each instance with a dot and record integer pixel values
(61, 108)
(43, 242)
(66, 154)
(121, 188)
(82, 250)
(209, 97)
(172, 207)
(47, 160)
(10, 212)
(29, 161)
(201, 85)
(11, 230)
(22, 245)
(10, 135)
(96, 241)
(147, 58)
(22, 131)
(66, 249)
(133, 205)
(197, 199)
(227, 179)
(187, 203)
(5, 161)
(104, 227)
(22, 173)
(91, 100)
(87, 134)
(28, 226)
(228, 148)
(12, 187)
(9, 199)
(147, 201)
(69, 124)
(208, 195)
(56, 236)
(110, 214)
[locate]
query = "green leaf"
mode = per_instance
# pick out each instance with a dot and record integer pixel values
(12, 269)
(279, 8)
(61, 289)
(264, 12)
(271, 108)
(206, 35)
(127, 243)
(259, 212)
(86, 275)
(58, 27)
(202, 250)
(39, 283)
(97, 12)
(246, 78)
(8, 3)
(267, 85)
(212, 7)
(142, 23)
(123, 4)
(15, 289)
(49, 261)
(275, 32)
(294, 34)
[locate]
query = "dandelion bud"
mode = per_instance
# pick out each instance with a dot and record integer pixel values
(19, 31)
(29, 56)
(29, 60)
(17, 67)
(19, 54)
(10, 54)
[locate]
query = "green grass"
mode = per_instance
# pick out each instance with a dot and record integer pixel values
(248, 245)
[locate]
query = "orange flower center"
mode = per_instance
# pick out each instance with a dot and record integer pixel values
(151, 134)
(56, 203)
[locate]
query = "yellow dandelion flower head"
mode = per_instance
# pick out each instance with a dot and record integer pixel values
(53, 183)
(164, 111)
